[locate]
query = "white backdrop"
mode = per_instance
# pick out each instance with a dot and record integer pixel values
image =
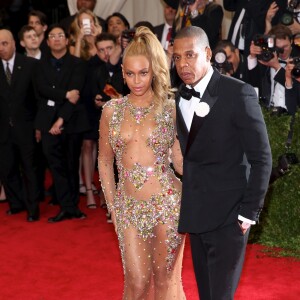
(139, 10)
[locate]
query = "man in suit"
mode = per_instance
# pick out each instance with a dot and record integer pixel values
(218, 204)
(164, 31)
(17, 113)
(62, 120)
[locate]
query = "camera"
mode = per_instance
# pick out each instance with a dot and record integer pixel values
(188, 2)
(291, 13)
(128, 34)
(267, 43)
(296, 70)
(283, 165)
(221, 63)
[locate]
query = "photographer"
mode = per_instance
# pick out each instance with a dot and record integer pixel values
(284, 12)
(292, 84)
(201, 13)
(234, 63)
(271, 52)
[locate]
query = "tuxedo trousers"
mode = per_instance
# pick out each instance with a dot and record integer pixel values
(218, 258)
(18, 172)
(62, 153)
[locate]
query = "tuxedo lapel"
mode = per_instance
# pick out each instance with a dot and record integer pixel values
(17, 70)
(210, 97)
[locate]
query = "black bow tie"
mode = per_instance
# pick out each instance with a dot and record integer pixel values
(187, 93)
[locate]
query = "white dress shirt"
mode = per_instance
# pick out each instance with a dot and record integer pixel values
(187, 107)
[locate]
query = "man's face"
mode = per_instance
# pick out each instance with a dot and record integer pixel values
(233, 57)
(57, 40)
(169, 14)
(191, 59)
(286, 45)
(30, 40)
(104, 49)
(7, 45)
(88, 4)
(35, 22)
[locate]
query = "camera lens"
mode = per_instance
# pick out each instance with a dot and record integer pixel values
(287, 19)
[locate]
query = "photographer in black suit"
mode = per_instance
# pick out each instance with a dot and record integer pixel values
(17, 138)
(267, 64)
(219, 121)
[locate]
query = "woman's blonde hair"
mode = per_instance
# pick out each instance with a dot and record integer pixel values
(75, 29)
(146, 43)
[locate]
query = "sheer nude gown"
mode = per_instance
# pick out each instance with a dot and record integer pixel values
(147, 198)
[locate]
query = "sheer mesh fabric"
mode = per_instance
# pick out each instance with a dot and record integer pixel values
(146, 200)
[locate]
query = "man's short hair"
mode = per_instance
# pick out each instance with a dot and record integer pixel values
(105, 36)
(37, 13)
(281, 32)
(24, 29)
(221, 45)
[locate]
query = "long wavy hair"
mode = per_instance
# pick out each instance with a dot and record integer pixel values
(75, 29)
(146, 43)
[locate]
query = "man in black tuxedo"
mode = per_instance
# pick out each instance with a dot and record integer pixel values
(17, 113)
(62, 120)
(164, 31)
(218, 203)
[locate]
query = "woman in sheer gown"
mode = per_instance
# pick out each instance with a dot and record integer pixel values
(138, 131)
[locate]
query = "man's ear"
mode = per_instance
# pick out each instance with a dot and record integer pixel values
(208, 53)
(22, 44)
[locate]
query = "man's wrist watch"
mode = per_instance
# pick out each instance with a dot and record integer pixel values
(244, 224)
(194, 13)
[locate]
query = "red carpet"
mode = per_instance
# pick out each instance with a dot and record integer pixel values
(80, 260)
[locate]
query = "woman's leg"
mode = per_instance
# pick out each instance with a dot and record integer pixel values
(88, 169)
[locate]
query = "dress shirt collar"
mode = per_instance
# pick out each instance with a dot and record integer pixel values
(10, 62)
(202, 84)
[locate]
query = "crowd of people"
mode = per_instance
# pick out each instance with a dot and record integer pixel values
(85, 69)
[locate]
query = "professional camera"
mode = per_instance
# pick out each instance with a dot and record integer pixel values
(267, 43)
(221, 63)
(188, 2)
(296, 70)
(283, 165)
(291, 13)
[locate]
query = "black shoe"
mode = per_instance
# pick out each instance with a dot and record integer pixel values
(33, 218)
(62, 215)
(53, 202)
(14, 211)
(79, 214)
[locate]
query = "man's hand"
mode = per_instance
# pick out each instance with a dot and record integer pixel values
(254, 50)
(73, 96)
(57, 127)
(38, 135)
(98, 101)
(244, 226)
(272, 63)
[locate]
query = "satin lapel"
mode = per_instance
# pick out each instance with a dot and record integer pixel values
(181, 126)
(210, 97)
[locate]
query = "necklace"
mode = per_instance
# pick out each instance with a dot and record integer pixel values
(139, 113)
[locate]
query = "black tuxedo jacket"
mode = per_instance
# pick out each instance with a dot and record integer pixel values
(215, 189)
(52, 85)
(158, 30)
(18, 104)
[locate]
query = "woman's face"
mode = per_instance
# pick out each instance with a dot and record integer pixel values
(115, 26)
(85, 16)
(138, 74)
